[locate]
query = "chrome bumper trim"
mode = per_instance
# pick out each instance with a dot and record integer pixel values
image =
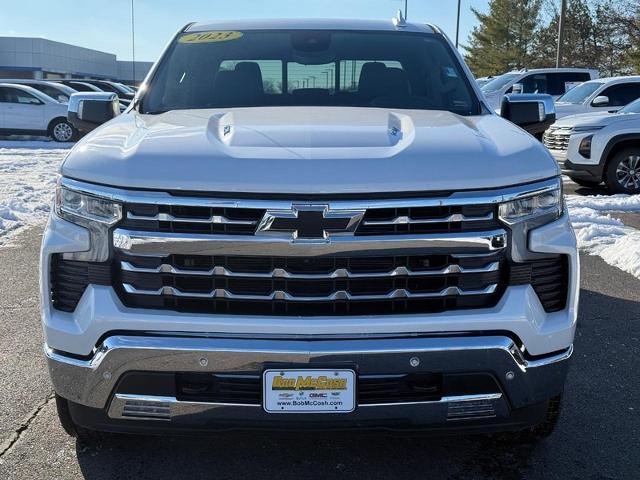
(159, 408)
(91, 382)
(156, 243)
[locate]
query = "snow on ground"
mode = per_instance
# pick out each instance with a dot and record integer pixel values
(600, 233)
(28, 172)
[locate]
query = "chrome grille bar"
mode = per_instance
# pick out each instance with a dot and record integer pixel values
(163, 244)
(283, 273)
(405, 220)
(556, 141)
(479, 197)
(166, 217)
(221, 293)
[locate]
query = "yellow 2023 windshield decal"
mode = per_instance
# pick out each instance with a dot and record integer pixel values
(207, 37)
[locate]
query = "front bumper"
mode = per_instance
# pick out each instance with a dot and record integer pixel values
(586, 172)
(98, 400)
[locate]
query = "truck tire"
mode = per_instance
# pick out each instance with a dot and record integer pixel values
(623, 171)
(83, 434)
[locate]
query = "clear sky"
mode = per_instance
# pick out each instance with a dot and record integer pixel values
(106, 24)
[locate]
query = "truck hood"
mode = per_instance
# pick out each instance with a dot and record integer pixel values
(595, 119)
(313, 150)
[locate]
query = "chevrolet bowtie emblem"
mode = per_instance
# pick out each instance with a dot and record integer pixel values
(310, 222)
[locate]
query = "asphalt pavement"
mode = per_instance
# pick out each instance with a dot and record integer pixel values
(598, 436)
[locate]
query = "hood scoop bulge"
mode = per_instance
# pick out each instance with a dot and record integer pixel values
(303, 131)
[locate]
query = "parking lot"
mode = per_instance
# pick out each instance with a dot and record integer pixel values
(597, 436)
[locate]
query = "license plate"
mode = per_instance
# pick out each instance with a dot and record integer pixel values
(309, 391)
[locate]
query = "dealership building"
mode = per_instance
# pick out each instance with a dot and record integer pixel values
(23, 57)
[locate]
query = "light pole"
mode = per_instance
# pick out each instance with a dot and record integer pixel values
(133, 44)
(458, 24)
(405, 8)
(563, 14)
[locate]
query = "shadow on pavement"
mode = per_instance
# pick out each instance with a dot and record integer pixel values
(305, 456)
(594, 438)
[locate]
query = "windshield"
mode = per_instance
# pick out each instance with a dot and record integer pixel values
(121, 88)
(580, 93)
(633, 107)
(499, 83)
(302, 67)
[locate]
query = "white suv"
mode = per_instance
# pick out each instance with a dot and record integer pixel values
(602, 95)
(596, 147)
(553, 81)
(26, 111)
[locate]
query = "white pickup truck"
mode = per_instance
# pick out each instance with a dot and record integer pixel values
(309, 224)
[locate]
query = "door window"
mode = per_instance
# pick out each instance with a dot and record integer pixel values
(15, 95)
(535, 83)
(622, 94)
(557, 82)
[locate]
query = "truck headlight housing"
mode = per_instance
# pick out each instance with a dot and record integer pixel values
(96, 214)
(535, 209)
(78, 207)
(524, 212)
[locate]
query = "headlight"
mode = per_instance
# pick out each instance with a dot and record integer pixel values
(96, 214)
(79, 207)
(539, 208)
(584, 148)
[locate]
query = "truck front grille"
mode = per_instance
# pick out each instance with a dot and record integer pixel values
(440, 219)
(333, 257)
(192, 219)
(244, 221)
(310, 285)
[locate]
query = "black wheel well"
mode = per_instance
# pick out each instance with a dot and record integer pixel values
(618, 147)
(54, 120)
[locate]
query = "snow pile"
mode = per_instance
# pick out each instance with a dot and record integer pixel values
(28, 172)
(602, 234)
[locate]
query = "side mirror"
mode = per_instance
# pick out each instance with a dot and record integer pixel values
(532, 111)
(517, 88)
(600, 101)
(88, 111)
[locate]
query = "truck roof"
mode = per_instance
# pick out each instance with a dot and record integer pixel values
(620, 78)
(309, 24)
